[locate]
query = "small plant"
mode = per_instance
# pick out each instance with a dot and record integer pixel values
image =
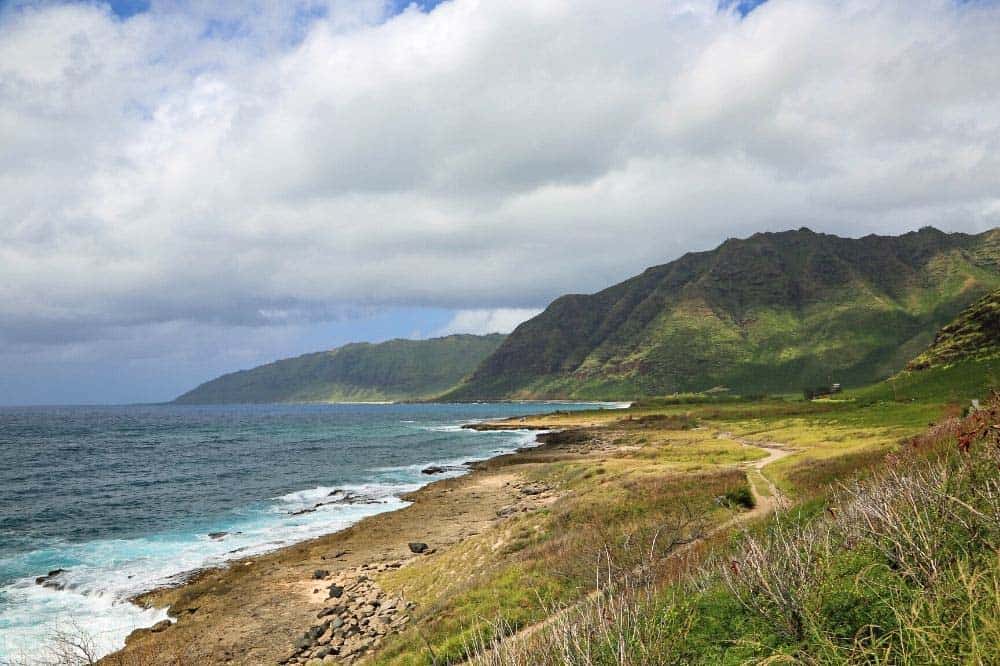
(739, 497)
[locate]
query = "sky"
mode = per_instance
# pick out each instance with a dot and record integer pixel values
(191, 187)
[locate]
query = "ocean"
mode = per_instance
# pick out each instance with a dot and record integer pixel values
(128, 498)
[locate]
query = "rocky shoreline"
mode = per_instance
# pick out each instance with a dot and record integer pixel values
(357, 617)
(282, 607)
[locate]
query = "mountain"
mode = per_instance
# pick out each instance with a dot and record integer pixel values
(974, 335)
(771, 313)
(393, 370)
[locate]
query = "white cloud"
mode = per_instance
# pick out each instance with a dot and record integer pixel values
(481, 322)
(486, 156)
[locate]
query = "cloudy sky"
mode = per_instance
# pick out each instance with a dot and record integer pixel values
(189, 187)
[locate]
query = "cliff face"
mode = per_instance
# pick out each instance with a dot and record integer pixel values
(773, 312)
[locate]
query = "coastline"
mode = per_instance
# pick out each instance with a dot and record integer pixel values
(252, 610)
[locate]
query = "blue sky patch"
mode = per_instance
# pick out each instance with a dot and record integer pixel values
(744, 7)
(126, 8)
(424, 5)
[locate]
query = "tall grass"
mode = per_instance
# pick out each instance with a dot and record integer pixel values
(900, 567)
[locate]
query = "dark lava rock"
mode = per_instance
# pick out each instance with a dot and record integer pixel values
(217, 535)
(332, 610)
(51, 580)
(336, 591)
(345, 497)
(46, 580)
(417, 547)
(320, 574)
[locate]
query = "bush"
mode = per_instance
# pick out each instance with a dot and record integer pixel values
(739, 497)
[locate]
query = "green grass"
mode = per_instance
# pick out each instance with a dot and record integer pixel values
(539, 562)
(838, 582)
(849, 605)
(958, 382)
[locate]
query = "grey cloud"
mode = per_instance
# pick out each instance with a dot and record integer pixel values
(483, 156)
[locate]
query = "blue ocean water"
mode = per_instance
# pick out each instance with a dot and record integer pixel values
(126, 498)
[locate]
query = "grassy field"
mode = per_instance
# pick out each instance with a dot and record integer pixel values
(665, 499)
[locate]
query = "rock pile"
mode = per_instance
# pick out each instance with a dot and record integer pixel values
(357, 617)
(531, 496)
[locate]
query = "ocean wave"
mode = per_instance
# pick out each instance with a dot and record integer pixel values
(102, 575)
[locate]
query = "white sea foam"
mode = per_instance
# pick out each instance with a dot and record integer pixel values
(95, 613)
(105, 574)
(456, 466)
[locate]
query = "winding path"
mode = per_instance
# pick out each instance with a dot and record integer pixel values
(763, 504)
(775, 499)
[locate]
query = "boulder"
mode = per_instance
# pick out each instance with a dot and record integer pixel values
(46, 580)
(330, 610)
(336, 591)
(417, 547)
(320, 574)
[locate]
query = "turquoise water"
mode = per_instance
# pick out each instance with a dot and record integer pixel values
(126, 498)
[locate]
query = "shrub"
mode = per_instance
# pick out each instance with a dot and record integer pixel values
(739, 497)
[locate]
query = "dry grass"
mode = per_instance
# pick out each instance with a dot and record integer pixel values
(900, 567)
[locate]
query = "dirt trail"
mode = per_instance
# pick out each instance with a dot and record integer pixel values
(774, 499)
(763, 504)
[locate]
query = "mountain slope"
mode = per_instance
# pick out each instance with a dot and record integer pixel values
(773, 312)
(393, 370)
(974, 335)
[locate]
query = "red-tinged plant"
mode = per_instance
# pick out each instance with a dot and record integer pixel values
(982, 425)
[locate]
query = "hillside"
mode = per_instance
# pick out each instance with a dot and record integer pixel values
(974, 335)
(770, 313)
(393, 370)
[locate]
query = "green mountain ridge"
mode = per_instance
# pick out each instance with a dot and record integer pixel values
(973, 335)
(356, 372)
(770, 313)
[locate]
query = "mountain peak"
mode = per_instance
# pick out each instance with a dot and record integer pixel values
(773, 312)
